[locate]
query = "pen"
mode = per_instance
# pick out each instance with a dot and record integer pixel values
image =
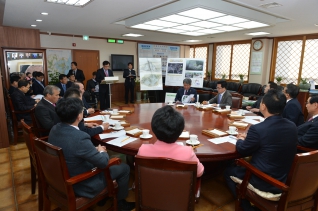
(125, 139)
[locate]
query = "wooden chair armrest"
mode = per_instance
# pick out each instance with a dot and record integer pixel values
(305, 149)
(44, 138)
(93, 172)
(23, 112)
(260, 174)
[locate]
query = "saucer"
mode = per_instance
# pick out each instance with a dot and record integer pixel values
(235, 133)
(149, 136)
(193, 143)
(170, 104)
(118, 128)
(115, 113)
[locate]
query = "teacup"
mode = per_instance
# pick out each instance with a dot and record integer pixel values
(117, 125)
(115, 111)
(241, 112)
(193, 138)
(105, 118)
(227, 107)
(170, 102)
(232, 129)
(145, 133)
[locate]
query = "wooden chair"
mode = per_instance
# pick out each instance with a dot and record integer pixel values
(177, 192)
(36, 128)
(16, 125)
(29, 140)
(237, 100)
(57, 184)
(298, 193)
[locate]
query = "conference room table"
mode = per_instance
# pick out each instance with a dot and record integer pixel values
(195, 121)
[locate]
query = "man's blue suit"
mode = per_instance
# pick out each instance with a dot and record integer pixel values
(82, 156)
(293, 112)
(272, 145)
(308, 134)
(180, 93)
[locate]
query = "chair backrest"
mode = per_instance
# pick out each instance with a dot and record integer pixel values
(54, 172)
(175, 192)
(12, 111)
(29, 139)
(237, 100)
(213, 84)
(204, 95)
(251, 89)
(233, 86)
(302, 180)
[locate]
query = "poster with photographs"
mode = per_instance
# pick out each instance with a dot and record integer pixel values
(181, 68)
(150, 74)
(162, 52)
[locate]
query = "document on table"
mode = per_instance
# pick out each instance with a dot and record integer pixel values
(122, 141)
(98, 117)
(38, 97)
(189, 103)
(187, 98)
(221, 140)
(117, 117)
(112, 134)
(185, 134)
(251, 121)
(217, 132)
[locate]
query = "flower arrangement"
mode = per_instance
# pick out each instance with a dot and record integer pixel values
(53, 77)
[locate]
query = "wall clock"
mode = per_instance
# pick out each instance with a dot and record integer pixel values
(257, 45)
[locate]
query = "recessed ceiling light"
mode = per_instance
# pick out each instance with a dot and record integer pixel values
(201, 13)
(179, 19)
(257, 33)
(250, 24)
(192, 40)
(229, 19)
(161, 23)
(147, 27)
(38, 20)
(205, 24)
(227, 28)
(33, 25)
(44, 13)
(132, 35)
(316, 24)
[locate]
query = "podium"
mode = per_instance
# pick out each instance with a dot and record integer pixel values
(109, 81)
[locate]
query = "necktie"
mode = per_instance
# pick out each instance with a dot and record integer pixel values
(219, 98)
(53, 104)
(64, 87)
(106, 73)
(310, 119)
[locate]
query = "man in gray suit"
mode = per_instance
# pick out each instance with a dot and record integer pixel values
(223, 98)
(82, 156)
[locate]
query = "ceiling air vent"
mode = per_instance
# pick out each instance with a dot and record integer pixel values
(271, 5)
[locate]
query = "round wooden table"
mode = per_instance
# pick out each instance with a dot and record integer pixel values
(195, 122)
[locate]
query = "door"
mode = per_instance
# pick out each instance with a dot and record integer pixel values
(88, 61)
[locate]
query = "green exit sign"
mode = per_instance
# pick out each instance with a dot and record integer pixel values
(111, 40)
(85, 37)
(120, 41)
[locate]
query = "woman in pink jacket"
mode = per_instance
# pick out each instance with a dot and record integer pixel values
(167, 124)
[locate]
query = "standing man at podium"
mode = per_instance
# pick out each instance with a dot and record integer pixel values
(130, 77)
(103, 87)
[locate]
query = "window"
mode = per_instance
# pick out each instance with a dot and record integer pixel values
(231, 60)
(200, 52)
(295, 58)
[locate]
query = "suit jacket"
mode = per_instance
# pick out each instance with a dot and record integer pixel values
(226, 99)
(293, 112)
(80, 156)
(91, 85)
(308, 134)
(257, 103)
(37, 88)
(22, 103)
(266, 142)
(129, 80)
(11, 90)
(79, 76)
(100, 75)
(180, 93)
(59, 85)
(173, 151)
(46, 115)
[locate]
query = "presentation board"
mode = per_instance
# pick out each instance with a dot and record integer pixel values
(150, 73)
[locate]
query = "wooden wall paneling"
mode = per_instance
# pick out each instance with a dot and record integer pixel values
(4, 141)
(302, 98)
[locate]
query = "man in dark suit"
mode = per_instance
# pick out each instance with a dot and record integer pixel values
(92, 86)
(308, 132)
(22, 102)
(79, 75)
(223, 98)
(186, 90)
(293, 110)
(130, 77)
(14, 79)
(38, 85)
(82, 156)
(63, 84)
(88, 109)
(103, 88)
(266, 142)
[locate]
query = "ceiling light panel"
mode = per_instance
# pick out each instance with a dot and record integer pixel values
(201, 13)
(209, 31)
(228, 28)
(229, 20)
(147, 27)
(250, 25)
(187, 28)
(70, 2)
(257, 33)
(161, 23)
(205, 24)
(193, 33)
(179, 19)
(170, 30)
(132, 35)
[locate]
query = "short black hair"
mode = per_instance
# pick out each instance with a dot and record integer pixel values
(68, 109)
(130, 63)
(22, 83)
(272, 85)
(223, 83)
(72, 93)
(61, 76)
(14, 78)
(34, 74)
(167, 124)
(94, 73)
(75, 63)
(187, 81)
(313, 98)
(275, 101)
(27, 73)
(106, 63)
(39, 74)
(292, 90)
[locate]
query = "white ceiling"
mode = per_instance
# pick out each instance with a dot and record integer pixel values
(99, 17)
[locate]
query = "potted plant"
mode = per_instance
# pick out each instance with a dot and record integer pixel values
(208, 76)
(241, 78)
(53, 77)
(279, 79)
(223, 77)
(304, 85)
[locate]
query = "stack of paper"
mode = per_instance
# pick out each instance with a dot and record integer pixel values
(93, 118)
(240, 124)
(124, 111)
(117, 117)
(122, 140)
(134, 131)
(184, 135)
(112, 134)
(217, 132)
(221, 140)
